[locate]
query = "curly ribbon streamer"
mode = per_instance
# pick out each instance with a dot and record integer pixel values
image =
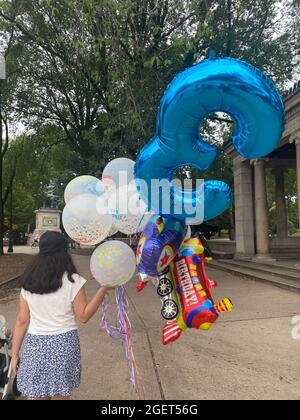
(133, 239)
(123, 331)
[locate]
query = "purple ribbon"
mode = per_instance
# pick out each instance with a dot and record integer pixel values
(123, 331)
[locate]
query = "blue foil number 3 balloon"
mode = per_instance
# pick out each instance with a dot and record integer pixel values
(214, 85)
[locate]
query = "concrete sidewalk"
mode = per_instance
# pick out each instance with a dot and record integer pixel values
(23, 249)
(248, 354)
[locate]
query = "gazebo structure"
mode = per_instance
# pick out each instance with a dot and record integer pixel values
(250, 194)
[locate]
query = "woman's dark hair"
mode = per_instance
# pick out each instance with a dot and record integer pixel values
(45, 272)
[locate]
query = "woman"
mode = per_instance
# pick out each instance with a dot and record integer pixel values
(51, 299)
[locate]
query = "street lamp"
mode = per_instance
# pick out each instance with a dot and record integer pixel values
(2, 77)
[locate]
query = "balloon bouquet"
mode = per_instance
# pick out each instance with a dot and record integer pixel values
(164, 253)
(93, 213)
(256, 108)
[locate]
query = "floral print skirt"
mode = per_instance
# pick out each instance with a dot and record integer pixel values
(50, 365)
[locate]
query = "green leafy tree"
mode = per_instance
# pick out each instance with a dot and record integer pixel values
(7, 98)
(40, 159)
(90, 78)
(96, 70)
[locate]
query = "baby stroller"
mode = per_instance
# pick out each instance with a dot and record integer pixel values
(35, 241)
(8, 385)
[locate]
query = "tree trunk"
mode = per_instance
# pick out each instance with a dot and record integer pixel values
(1, 187)
(229, 26)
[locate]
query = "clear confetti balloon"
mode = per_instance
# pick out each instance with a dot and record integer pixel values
(113, 229)
(113, 263)
(109, 186)
(84, 184)
(119, 172)
(83, 223)
(128, 210)
(131, 224)
(102, 204)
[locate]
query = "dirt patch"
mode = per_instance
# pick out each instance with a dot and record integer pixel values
(12, 266)
(9, 292)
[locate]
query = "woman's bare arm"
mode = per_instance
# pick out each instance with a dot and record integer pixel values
(20, 330)
(84, 310)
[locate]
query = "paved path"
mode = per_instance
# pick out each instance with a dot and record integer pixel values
(248, 354)
(23, 249)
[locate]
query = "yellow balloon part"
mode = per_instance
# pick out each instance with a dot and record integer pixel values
(206, 326)
(104, 257)
(225, 305)
(193, 241)
(195, 245)
(229, 304)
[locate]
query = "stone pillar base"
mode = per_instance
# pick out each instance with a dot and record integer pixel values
(243, 257)
(263, 258)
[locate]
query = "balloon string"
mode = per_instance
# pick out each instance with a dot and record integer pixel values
(137, 234)
(123, 331)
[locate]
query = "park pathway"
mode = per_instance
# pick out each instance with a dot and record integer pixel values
(248, 354)
(23, 249)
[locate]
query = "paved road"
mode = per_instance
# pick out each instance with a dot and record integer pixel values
(249, 354)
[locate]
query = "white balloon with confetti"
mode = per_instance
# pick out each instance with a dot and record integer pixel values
(113, 263)
(84, 184)
(113, 230)
(128, 210)
(83, 223)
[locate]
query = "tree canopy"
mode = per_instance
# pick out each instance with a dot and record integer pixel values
(86, 77)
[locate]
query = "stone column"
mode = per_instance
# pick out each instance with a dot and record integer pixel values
(281, 209)
(297, 144)
(261, 211)
(244, 217)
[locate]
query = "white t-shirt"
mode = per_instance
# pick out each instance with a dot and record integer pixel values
(53, 313)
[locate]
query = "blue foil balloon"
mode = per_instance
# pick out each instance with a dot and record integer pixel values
(214, 85)
(158, 244)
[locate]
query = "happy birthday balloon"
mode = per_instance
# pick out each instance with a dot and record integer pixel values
(83, 223)
(85, 184)
(113, 263)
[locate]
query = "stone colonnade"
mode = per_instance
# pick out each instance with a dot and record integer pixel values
(251, 207)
